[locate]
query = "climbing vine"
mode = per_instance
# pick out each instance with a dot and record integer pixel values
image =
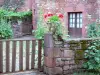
(10, 14)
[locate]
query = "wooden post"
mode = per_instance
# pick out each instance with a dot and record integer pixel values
(7, 55)
(14, 56)
(27, 54)
(1, 57)
(21, 56)
(33, 54)
(39, 54)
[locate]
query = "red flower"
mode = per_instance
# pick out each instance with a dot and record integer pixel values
(60, 16)
(45, 16)
(49, 15)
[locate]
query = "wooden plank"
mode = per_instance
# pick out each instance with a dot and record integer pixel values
(27, 54)
(1, 56)
(33, 54)
(21, 56)
(14, 56)
(7, 56)
(26, 39)
(39, 53)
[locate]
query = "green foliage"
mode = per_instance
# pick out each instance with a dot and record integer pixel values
(41, 28)
(55, 27)
(10, 14)
(54, 18)
(5, 29)
(92, 54)
(93, 30)
(86, 73)
(5, 25)
(39, 32)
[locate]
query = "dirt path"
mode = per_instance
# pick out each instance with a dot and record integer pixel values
(25, 73)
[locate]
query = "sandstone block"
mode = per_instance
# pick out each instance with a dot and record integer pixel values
(49, 62)
(68, 53)
(58, 71)
(66, 67)
(59, 62)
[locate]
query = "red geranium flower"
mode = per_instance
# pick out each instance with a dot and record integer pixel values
(60, 16)
(49, 15)
(45, 16)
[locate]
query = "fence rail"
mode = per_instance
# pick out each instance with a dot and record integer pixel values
(10, 55)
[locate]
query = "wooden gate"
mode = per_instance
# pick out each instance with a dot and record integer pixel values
(20, 55)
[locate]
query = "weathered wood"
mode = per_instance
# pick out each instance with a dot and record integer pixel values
(21, 56)
(27, 54)
(14, 48)
(39, 53)
(7, 55)
(14, 56)
(1, 57)
(33, 54)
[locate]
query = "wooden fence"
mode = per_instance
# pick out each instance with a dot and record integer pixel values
(20, 55)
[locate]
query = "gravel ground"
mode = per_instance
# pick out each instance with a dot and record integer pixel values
(25, 73)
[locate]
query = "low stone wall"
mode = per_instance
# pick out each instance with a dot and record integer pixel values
(17, 30)
(64, 60)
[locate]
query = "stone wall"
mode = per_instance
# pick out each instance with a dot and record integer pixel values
(64, 60)
(17, 29)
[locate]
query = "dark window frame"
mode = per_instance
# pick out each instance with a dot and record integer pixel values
(75, 24)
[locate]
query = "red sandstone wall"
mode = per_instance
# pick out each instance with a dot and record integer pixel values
(1, 2)
(88, 8)
(27, 5)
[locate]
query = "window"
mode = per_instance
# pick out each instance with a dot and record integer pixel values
(75, 20)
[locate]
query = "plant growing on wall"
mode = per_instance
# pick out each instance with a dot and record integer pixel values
(11, 14)
(5, 29)
(93, 30)
(92, 54)
(5, 25)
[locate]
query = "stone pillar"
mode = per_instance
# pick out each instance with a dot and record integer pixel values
(50, 54)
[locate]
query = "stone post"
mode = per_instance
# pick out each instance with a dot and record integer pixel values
(50, 55)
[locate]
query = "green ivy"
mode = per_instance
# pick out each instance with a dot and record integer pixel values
(92, 54)
(93, 30)
(10, 14)
(5, 29)
(86, 73)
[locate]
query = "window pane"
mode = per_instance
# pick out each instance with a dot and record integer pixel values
(80, 20)
(71, 20)
(70, 15)
(73, 15)
(73, 25)
(78, 26)
(78, 15)
(81, 25)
